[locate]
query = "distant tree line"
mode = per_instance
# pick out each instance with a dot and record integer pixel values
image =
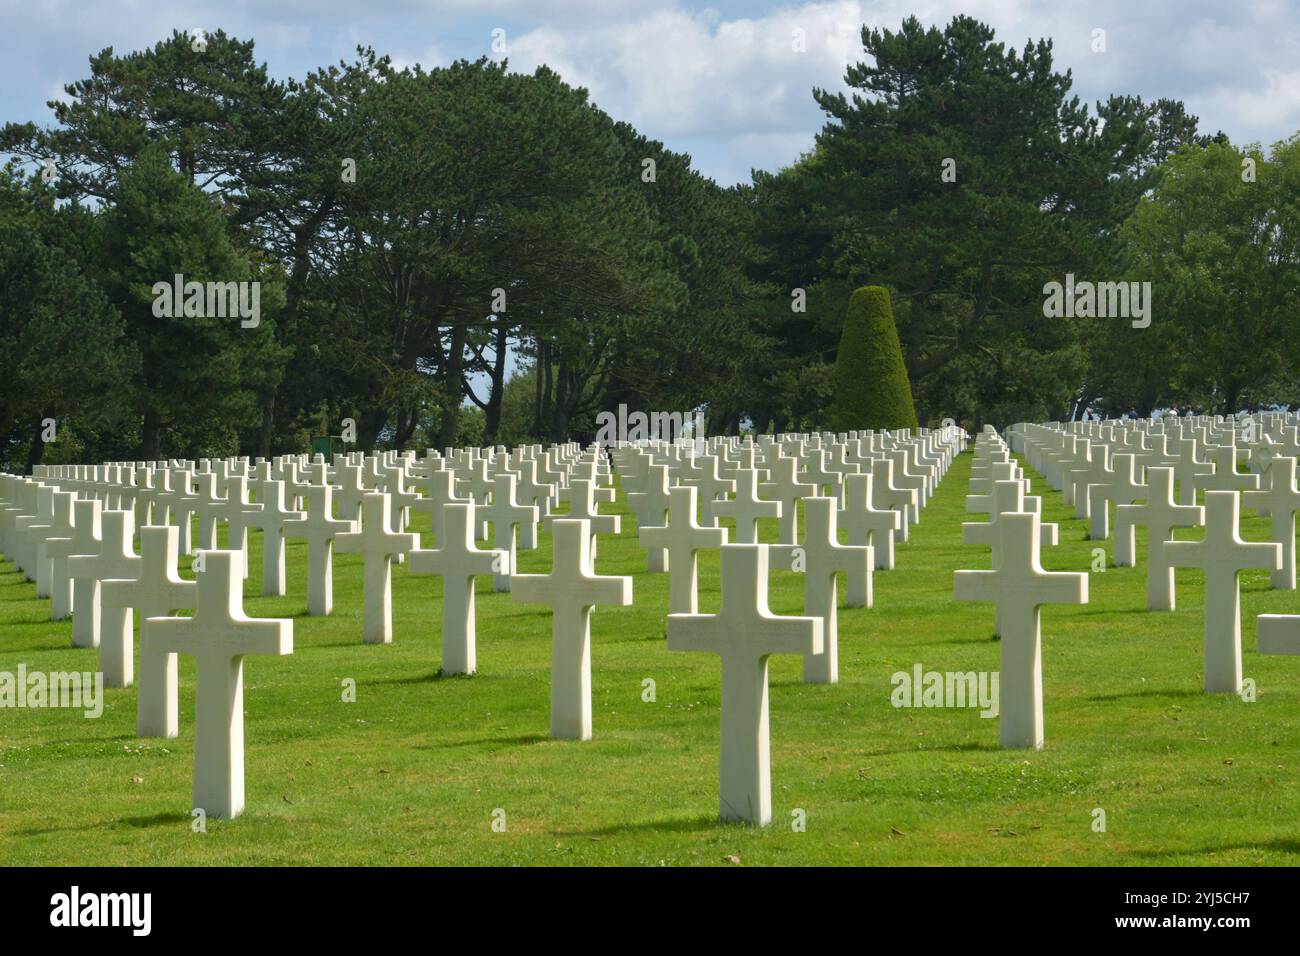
(409, 228)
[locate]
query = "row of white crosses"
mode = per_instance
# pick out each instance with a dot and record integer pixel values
(376, 541)
(676, 522)
(879, 483)
(114, 582)
(744, 633)
(1111, 461)
(1017, 584)
(111, 584)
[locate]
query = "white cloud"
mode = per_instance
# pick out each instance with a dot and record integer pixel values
(676, 73)
(714, 80)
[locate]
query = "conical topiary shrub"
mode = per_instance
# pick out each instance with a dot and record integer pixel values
(871, 385)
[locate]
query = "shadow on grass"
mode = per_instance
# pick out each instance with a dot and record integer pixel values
(521, 740)
(943, 748)
(1117, 611)
(1282, 845)
(660, 636)
(1154, 692)
(37, 619)
(436, 677)
(963, 642)
(152, 820)
(357, 642)
(692, 825)
(171, 818)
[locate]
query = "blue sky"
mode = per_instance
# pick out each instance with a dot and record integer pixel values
(719, 81)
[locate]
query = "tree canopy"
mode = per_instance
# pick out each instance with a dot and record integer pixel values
(470, 252)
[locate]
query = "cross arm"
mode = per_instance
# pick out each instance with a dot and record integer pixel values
(1278, 633)
(975, 585)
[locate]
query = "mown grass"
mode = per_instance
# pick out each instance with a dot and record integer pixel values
(412, 772)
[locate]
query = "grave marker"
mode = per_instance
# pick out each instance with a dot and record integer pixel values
(744, 633)
(218, 636)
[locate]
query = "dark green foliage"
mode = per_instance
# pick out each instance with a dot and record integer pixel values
(664, 292)
(63, 355)
(871, 386)
(964, 174)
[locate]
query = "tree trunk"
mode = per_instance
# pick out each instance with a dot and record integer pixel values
(267, 429)
(449, 426)
(371, 424)
(151, 436)
(492, 414)
(537, 391)
(406, 422)
(37, 450)
(544, 425)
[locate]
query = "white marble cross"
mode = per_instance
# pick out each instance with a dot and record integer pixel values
(32, 530)
(1280, 500)
(582, 495)
(1006, 496)
(85, 540)
(1278, 633)
(158, 590)
(904, 478)
(712, 487)
(457, 560)
(1160, 515)
(531, 490)
(1121, 486)
(401, 499)
(208, 507)
(651, 507)
(506, 514)
(1099, 471)
(747, 508)
(320, 528)
(786, 488)
(350, 490)
(276, 520)
(864, 523)
(571, 589)
(1223, 555)
(439, 491)
(822, 557)
(816, 472)
(60, 534)
(744, 633)
(241, 513)
(115, 560)
(682, 538)
(181, 501)
(219, 635)
(886, 494)
(1019, 587)
(377, 545)
(1225, 477)
(476, 484)
(1189, 469)
(144, 495)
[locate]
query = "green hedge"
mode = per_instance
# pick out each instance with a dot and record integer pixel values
(871, 385)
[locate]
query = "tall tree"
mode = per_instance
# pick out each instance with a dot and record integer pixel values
(1219, 241)
(965, 176)
(63, 355)
(199, 374)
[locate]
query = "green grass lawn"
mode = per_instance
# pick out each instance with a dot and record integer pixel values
(412, 772)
